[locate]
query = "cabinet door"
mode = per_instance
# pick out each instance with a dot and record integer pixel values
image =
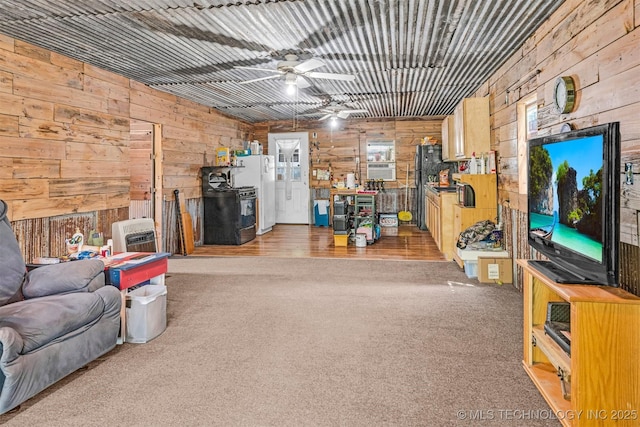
(448, 141)
(471, 127)
(458, 131)
(457, 222)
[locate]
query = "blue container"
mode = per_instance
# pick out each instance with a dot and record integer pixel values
(321, 213)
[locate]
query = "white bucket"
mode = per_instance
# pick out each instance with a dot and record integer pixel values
(361, 240)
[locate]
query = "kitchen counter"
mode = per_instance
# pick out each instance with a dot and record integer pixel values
(438, 190)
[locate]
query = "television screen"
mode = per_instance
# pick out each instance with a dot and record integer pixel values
(573, 191)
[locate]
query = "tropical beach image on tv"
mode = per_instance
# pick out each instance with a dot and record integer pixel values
(565, 194)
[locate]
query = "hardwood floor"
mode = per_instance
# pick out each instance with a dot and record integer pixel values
(303, 241)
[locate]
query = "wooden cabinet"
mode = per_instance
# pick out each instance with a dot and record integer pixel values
(448, 142)
(471, 127)
(602, 375)
(439, 208)
(485, 187)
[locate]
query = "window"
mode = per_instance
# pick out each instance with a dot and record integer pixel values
(381, 160)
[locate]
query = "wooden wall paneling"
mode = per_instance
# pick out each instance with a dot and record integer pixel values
(11, 105)
(9, 125)
(67, 63)
(37, 109)
(17, 189)
(140, 158)
(629, 225)
(6, 168)
(7, 43)
(596, 46)
(86, 186)
(45, 90)
(33, 67)
(80, 116)
(32, 168)
(6, 82)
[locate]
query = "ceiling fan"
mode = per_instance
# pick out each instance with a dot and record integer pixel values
(335, 112)
(296, 72)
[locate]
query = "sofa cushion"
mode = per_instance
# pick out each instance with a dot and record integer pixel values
(12, 266)
(61, 278)
(41, 320)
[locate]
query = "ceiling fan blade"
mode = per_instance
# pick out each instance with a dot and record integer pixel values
(302, 83)
(343, 114)
(356, 111)
(331, 76)
(260, 79)
(268, 70)
(325, 117)
(308, 65)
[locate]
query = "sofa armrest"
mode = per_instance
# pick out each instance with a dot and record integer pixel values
(75, 276)
(11, 346)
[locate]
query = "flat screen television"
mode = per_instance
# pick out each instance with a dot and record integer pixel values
(573, 204)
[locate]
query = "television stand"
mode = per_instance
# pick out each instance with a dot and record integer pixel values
(597, 384)
(559, 274)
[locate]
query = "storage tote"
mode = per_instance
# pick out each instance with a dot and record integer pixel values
(146, 313)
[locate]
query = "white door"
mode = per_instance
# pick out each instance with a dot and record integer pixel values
(291, 151)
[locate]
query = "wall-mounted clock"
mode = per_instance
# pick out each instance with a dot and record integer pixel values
(564, 94)
(566, 127)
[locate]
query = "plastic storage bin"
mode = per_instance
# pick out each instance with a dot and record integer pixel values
(321, 213)
(146, 313)
(388, 220)
(340, 207)
(471, 269)
(340, 239)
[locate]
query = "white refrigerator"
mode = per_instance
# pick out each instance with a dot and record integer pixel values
(259, 171)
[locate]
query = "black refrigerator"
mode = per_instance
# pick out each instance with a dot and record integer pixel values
(428, 165)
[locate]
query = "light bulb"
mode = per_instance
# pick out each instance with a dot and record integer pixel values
(291, 89)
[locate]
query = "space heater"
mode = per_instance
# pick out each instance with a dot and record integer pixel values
(134, 235)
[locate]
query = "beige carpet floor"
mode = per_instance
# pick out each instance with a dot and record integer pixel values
(311, 342)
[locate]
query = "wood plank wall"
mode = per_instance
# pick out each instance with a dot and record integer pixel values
(344, 148)
(597, 43)
(66, 156)
(141, 149)
(339, 147)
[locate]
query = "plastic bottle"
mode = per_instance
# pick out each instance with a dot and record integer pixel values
(483, 165)
(473, 164)
(78, 238)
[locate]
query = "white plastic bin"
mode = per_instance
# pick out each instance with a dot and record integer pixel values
(471, 269)
(146, 313)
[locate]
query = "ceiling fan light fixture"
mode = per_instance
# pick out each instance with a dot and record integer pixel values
(291, 81)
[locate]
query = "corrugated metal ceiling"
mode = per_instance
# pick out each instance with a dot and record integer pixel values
(411, 57)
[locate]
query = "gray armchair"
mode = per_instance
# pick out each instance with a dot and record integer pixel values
(53, 320)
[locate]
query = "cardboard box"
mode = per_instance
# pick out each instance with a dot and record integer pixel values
(495, 270)
(223, 156)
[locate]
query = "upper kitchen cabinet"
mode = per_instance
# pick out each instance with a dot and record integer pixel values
(448, 142)
(471, 127)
